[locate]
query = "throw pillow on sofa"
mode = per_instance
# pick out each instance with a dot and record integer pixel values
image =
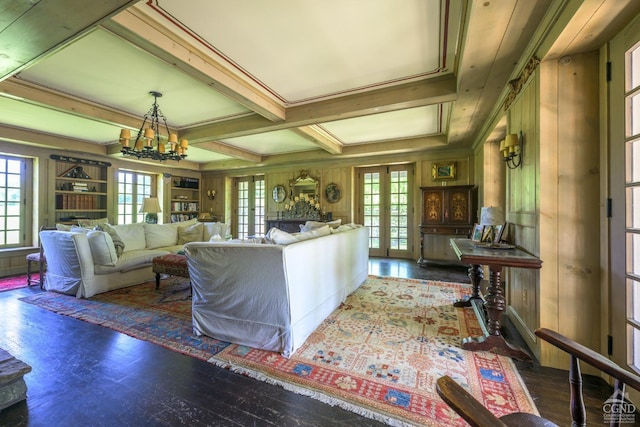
(279, 237)
(160, 235)
(90, 223)
(117, 241)
(132, 235)
(102, 248)
(192, 233)
(312, 234)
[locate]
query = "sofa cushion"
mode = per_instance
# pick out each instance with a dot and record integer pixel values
(102, 248)
(280, 237)
(312, 234)
(131, 260)
(132, 235)
(63, 227)
(192, 233)
(212, 229)
(90, 223)
(115, 238)
(160, 235)
(78, 229)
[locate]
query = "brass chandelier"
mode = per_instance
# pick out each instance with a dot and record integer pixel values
(148, 143)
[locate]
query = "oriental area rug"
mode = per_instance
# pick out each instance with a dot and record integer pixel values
(15, 282)
(379, 354)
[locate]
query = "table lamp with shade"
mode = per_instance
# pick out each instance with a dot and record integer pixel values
(151, 206)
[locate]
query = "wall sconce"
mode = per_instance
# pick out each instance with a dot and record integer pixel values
(211, 194)
(511, 148)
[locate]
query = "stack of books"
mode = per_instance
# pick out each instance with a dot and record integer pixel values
(80, 186)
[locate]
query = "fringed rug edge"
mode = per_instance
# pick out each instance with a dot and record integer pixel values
(310, 392)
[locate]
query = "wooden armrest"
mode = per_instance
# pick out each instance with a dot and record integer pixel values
(465, 404)
(589, 356)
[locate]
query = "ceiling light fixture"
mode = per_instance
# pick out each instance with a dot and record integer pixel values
(143, 147)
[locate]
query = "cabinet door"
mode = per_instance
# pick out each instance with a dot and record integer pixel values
(457, 207)
(433, 212)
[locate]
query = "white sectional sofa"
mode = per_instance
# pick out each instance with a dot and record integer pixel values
(87, 261)
(272, 296)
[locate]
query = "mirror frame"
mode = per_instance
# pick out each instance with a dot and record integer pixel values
(279, 193)
(304, 181)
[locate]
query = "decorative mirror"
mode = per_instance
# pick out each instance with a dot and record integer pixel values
(304, 199)
(279, 193)
(303, 185)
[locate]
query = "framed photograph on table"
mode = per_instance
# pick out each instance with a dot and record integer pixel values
(476, 235)
(498, 231)
(487, 234)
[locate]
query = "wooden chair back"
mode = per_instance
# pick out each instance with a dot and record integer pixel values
(477, 415)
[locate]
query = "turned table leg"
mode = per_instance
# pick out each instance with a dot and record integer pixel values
(476, 274)
(495, 305)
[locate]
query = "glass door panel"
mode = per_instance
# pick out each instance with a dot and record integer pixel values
(385, 207)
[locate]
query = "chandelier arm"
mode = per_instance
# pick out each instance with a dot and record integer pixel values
(148, 151)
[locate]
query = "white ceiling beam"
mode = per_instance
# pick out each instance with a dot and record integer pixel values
(369, 150)
(52, 99)
(40, 139)
(144, 31)
(237, 153)
(320, 137)
(409, 95)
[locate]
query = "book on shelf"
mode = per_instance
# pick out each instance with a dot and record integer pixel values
(76, 201)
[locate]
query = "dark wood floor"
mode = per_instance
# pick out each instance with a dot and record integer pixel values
(87, 375)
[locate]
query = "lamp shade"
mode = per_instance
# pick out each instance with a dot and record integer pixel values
(512, 142)
(491, 215)
(151, 205)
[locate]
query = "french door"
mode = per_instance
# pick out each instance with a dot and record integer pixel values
(386, 207)
(624, 188)
(250, 206)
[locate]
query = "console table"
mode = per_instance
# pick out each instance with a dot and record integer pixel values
(494, 302)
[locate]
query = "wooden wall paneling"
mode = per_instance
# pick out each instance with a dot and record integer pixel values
(522, 286)
(271, 180)
(578, 213)
(548, 201)
(342, 208)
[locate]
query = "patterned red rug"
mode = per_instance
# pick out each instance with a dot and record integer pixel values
(13, 282)
(379, 354)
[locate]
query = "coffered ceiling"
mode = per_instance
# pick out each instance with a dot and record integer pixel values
(253, 83)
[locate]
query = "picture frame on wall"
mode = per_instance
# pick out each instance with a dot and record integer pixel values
(443, 171)
(332, 193)
(476, 235)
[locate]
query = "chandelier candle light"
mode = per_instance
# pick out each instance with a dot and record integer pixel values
(143, 146)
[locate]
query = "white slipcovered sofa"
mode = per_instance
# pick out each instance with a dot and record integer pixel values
(272, 296)
(88, 261)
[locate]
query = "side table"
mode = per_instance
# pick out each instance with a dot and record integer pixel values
(494, 302)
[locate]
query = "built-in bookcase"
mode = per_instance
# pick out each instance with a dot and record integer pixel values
(80, 188)
(185, 198)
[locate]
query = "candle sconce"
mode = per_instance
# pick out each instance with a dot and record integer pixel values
(211, 194)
